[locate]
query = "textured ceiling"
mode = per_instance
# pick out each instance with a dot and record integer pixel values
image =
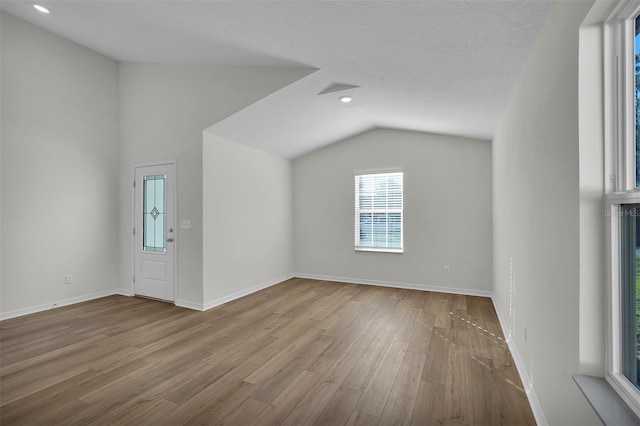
(435, 66)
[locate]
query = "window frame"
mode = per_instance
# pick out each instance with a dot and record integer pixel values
(620, 188)
(362, 248)
(619, 97)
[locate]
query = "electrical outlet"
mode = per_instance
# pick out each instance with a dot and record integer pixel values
(447, 270)
(68, 279)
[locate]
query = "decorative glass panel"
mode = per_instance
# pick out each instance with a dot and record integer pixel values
(154, 214)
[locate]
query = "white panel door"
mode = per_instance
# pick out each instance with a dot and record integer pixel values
(154, 225)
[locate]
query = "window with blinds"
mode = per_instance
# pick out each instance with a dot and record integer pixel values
(378, 211)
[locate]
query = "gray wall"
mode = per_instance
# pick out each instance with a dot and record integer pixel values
(536, 218)
(59, 165)
(163, 112)
(73, 125)
(248, 231)
(447, 216)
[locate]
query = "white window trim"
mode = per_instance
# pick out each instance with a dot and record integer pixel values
(619, 76)
(359, 248)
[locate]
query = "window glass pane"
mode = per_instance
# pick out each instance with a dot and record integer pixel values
(380, 230)
(637, 99)
(149, 232)
(149, 188)
(365, 229)
(395, 192)
(159, 201)
(395, 230)
(380, 194)
(630, 288)
(153, 238)
(365, 189)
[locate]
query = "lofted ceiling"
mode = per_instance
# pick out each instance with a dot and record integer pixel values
(435, 66)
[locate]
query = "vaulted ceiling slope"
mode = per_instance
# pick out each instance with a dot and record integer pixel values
(435, 66)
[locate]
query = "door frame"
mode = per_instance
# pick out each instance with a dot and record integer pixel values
(173, 164)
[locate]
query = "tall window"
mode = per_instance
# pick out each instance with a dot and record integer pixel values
(622, 122)
(378, 211)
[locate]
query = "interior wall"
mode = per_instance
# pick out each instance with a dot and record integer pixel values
(447, 211)
(536, 218)
(59, 168)
(248, 226)
(163, 112)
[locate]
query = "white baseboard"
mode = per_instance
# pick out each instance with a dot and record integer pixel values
(189, 304)
(246, 292)
(64, 302)
(541, 420)
(124, 292)
(208, 305)
(408, 286)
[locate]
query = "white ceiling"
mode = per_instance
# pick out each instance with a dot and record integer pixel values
(435, 66)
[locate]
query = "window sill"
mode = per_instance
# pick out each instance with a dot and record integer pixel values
(380, 250)
(607, 404)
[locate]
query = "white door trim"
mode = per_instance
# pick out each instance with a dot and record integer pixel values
(132, 179)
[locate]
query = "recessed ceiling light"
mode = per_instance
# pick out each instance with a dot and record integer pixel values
(345, 99)
(40, 8)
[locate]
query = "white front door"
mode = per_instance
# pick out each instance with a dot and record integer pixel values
(154, 226)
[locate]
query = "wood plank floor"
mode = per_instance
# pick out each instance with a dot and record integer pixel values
(299, 353)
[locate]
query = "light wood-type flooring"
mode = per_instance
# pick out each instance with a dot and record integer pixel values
(299, 353)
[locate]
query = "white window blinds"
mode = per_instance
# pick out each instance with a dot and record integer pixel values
(378, 211)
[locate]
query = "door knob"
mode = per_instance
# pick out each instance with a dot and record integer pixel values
(169, 240)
